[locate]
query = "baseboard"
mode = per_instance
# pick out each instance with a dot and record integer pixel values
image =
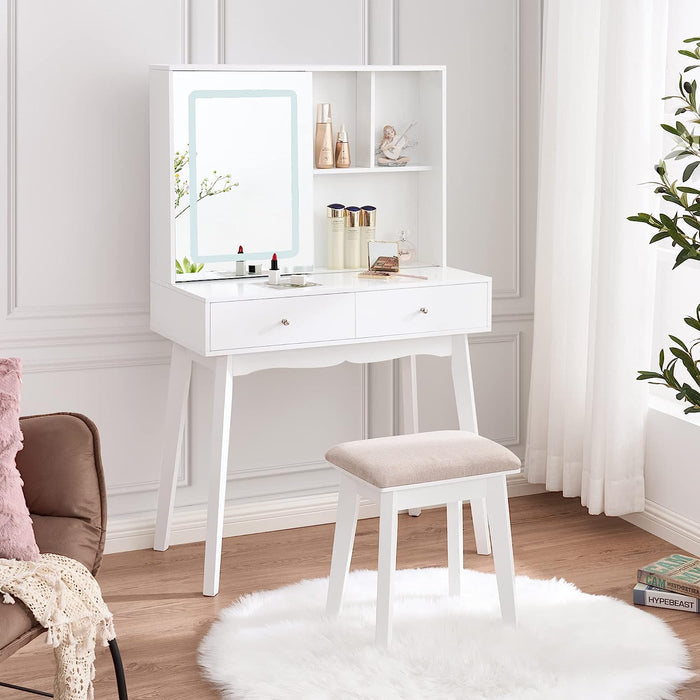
(126, 533)
(130, 532)
(518, 485)
(662, 522)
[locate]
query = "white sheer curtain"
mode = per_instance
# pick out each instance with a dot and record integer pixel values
(602, 83)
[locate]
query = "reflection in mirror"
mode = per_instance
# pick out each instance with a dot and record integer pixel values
(239, 180)
(383, 256)
(244, 138)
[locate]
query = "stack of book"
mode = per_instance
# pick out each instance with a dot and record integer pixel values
(673, 582)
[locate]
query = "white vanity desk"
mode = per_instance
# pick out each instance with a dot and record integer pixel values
(238, 327)
(231, 152)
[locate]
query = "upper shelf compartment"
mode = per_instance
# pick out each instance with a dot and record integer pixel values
(393, 115)
(411, 198)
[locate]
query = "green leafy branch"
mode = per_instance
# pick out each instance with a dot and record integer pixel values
(186, 266)
(218, 184)
(182, 188)
(686, 355)
(676, 227)
(682, 228)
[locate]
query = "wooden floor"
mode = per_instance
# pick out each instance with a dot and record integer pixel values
(161, 615)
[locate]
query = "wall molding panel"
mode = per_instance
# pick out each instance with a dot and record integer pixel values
(512, 340)
(514, 292)
(89, 350)
(309, 36)
(221, 34)
(11, 149)
(15, 310)
(40, 313)
(504, 317)
(185, 32)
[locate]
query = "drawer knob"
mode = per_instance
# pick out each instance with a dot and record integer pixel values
(285, 322)
(423, 310)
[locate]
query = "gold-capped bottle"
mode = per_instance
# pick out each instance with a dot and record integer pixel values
(342, 149)
(335, 222)
(368, 228)
(352, 238)
(323, 145)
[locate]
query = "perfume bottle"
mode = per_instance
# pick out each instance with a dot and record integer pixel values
(407, 251)
(342, 149)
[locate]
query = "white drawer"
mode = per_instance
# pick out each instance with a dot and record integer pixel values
(283, 321)
(458, 307)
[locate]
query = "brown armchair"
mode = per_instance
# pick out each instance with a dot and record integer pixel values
(64, 487)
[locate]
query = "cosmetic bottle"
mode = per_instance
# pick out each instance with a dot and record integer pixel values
(342, 149)
(407, 251)
(368, 223)
(273, 276)
(335, 224)
(240, 263)
(323, 145)
(352, 238)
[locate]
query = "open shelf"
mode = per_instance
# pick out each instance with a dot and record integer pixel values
(365, 99)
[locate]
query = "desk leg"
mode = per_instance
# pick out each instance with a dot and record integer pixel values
(409, 395)
(175, 412)
(409, 402)
(220, 433)
(466, 413)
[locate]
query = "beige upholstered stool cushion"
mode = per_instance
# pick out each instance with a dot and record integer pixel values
(422, 457)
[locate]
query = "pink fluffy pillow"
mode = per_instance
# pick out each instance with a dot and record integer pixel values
(16, 531)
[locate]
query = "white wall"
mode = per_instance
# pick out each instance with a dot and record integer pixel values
(74, 230)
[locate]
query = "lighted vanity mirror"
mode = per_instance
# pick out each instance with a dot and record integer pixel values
(242, 169)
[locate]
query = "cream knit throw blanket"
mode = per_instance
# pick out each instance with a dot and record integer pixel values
(65, 598)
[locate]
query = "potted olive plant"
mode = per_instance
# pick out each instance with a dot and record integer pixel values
(682, 227)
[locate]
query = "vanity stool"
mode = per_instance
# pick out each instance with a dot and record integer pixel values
(412, 471)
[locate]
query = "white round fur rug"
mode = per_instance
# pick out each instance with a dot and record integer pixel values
(278, 645)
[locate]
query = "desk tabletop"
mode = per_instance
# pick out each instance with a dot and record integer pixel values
(326, 282)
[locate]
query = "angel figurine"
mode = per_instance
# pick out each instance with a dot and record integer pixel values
(390, 151)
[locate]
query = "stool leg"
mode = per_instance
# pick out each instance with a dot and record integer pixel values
(455, 546)
(499, 517)
(481, 526)
(346, 522)
(388, 530)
